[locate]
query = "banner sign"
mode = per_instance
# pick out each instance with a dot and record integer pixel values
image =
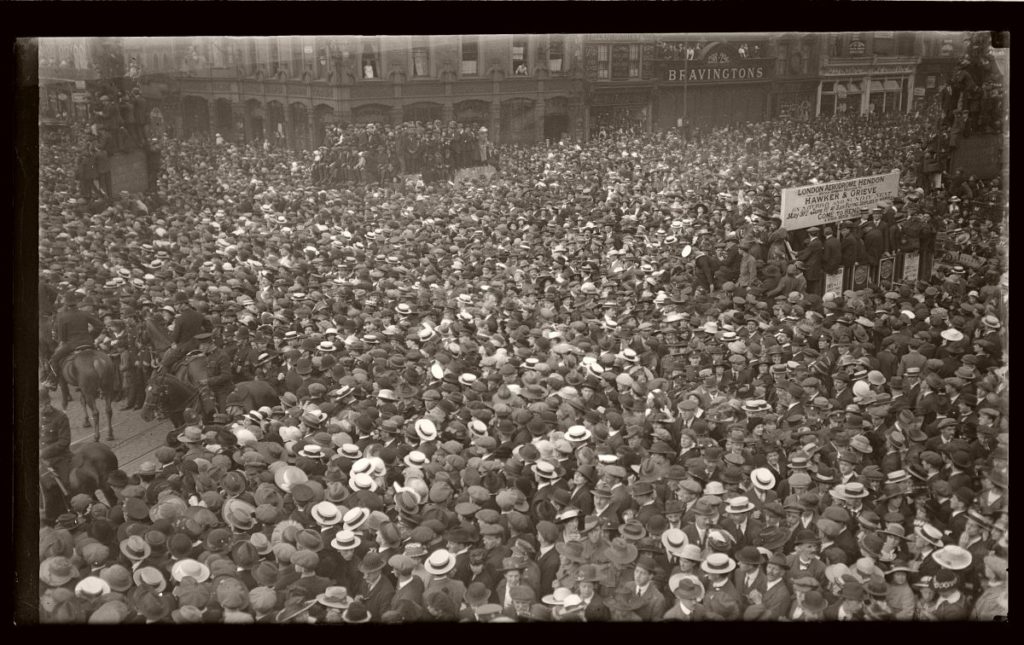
(886, 269)
(911, 267)
(835, 201)
(834, 282)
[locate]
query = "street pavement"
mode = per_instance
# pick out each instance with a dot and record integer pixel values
(135, 440)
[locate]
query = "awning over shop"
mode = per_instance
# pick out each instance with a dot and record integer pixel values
(853, 87)
(876, 86)
(892, 86)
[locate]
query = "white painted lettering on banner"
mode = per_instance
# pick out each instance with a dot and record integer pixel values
(835, 201)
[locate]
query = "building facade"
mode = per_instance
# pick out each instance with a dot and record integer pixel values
(660, 81)
(66, 71)
(531, 88)
(940, 52)
(523, 88)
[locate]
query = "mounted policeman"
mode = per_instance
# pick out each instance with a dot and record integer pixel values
(187, 325)
(75, 328)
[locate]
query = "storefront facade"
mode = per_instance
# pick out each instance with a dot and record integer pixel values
(858, 87)
(523, 89)
(718, 87)
(794, 100)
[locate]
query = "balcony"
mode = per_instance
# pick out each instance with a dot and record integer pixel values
(67, 74)
(866, 65)
(871, 60)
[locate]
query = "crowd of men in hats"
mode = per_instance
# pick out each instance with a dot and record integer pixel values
(526, 400)
(374, 153)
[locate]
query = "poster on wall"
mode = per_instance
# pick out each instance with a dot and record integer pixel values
(886, 268)
(861, 277)
(911, 267)
(834, 282)
(835, 201)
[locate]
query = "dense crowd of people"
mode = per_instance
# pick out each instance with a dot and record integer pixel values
(382, 154)
(604, 385)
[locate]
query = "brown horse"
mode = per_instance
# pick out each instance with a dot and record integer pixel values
(252, 395)
(47, 344)
(91, 371)
(90, 467)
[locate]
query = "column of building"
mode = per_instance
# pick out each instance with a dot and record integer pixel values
(494, 129)
(865, 95)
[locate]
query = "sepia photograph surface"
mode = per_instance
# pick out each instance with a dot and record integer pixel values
(539, 327)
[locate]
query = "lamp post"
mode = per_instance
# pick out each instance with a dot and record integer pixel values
(686, 75)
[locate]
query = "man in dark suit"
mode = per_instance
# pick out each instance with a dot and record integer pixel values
(697, 532)
(749, 575)
(187, 325)
(812, 258)
(646, 500)
(547, 560)
(805, 561)
(737, 374)
(309, 584)
(595, 609)
(832, 251)
(775, 597)
(549, 479)
(642, 586)
(409, 588)
(874, 246)
(460, 540)
(738, 522)
(494, 550)
(849, 605)
(852, 247)
(376, 590)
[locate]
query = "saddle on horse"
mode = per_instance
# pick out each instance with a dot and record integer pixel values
(179, 364)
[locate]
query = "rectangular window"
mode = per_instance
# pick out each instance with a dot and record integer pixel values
(620, 55)
(556, 47)
(634, 61)
(297, 56)
(884, 44)
(519, 63)
(420, 61)
(603, 67)
(470, 56)
(369, 62)
(929, 82)
(274, 59)
(323, 59)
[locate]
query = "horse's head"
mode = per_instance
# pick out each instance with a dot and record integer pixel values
(156, 389)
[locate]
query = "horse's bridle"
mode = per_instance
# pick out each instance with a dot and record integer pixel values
(159, 391)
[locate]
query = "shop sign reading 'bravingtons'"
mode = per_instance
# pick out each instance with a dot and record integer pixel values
(677, 73)
(835, 201)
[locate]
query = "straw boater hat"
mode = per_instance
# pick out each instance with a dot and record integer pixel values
(762, 478)
(718, 563)
(335, 597)
(439, 563)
